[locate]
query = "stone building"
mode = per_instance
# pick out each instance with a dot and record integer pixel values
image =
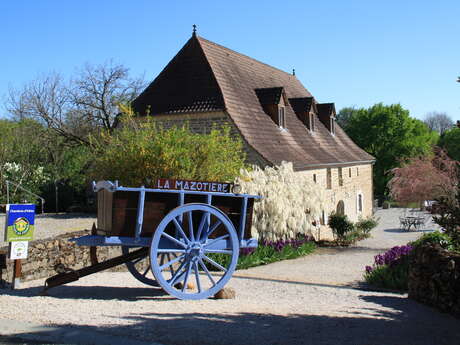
(276, 117)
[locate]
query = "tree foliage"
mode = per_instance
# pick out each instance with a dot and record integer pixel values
(77, 107)
(423, 178)
(389, 134)
(450, 141)
(439, 122)
(140, 151)
(34, 156)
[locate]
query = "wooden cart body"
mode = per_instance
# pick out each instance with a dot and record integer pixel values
(183, 229)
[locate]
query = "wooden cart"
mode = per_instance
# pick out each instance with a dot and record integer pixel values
(189, 232)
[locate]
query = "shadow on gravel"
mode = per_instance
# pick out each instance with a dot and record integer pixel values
(406, 323)
(401, 231)
(92, 292)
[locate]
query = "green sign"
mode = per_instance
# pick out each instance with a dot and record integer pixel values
(20, 222)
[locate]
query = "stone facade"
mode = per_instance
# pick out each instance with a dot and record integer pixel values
(355, 184)
(434, 278)
(45, 255)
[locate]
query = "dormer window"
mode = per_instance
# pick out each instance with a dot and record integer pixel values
(274, 101)
(305, 109)
(281, 117)
(326, 114)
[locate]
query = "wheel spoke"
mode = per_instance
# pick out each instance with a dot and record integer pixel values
(171, 250)
(203, 221)
(146, 271)
(179, 228)
(184, 284)
(219, 251)
(197, 276)
(205, 269)
(190, 226)
(173, 239)
(216, 239)
(215, 264)
(178, 273)
(213, 228)
(171, 262)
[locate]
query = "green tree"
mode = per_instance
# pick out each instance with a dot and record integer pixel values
(389, 134)
(21, 158)
(344, 116)
(450, 141)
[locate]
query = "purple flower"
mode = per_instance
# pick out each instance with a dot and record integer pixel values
(390, 257)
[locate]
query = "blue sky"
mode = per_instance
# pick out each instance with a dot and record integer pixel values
(353, 53)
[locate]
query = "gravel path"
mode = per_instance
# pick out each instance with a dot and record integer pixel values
(50, 225)
(310, 300)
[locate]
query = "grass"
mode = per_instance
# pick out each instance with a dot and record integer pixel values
(267, 253)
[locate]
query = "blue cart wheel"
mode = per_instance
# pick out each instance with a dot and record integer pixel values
(206, 246)
(140, 268)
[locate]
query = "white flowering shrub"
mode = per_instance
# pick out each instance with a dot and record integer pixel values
(291, 202)
(29, 178)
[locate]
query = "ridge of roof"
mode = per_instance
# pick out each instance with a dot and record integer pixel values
(244, 55)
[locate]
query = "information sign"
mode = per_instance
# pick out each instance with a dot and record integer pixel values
(18, 250)
(20, 222)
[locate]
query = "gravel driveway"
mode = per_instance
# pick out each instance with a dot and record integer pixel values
(311, 300)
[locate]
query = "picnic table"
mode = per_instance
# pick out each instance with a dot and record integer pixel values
(408, 222)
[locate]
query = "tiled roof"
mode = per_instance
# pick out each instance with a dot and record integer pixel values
(223, 79)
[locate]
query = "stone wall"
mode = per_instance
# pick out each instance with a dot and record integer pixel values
(434, 278)
(45, 255)
(356, 180)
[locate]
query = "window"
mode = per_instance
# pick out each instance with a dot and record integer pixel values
(332, 125)
(340, 177)
(281, 117)
(349, 172)
(322, 220)
(314, 178)
(359, 202)
(357, 171)
(329, 179)
(312, 122)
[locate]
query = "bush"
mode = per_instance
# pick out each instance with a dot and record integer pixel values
(140, 151)
(449, 218)
(436, 237)
(365, 225)
(340, 226)
(390, 270)
(291, 202)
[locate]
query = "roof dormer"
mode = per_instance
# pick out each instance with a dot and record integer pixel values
(274, 102)
(326, 114)
(305, 109)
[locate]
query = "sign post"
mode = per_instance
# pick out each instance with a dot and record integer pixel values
(19, 229)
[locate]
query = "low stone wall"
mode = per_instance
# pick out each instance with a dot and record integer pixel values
(45, 255)
(434, 278)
